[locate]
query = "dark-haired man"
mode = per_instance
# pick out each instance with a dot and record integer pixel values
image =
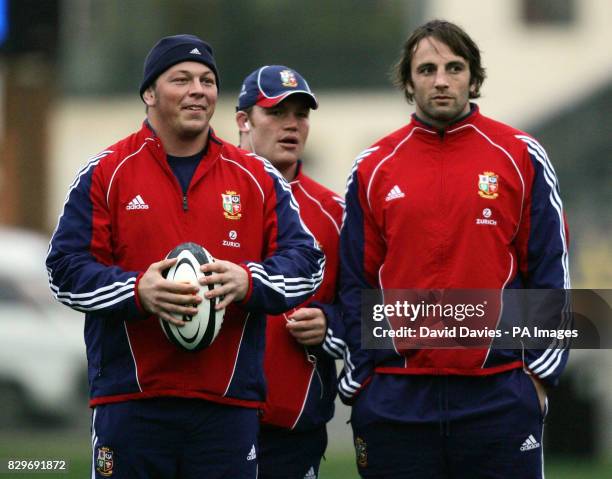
(160, 411)
(454, 200)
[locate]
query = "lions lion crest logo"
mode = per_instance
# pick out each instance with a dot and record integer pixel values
(105, 461)
(488, 185)
(288, 79)
(361, 452)
(232, 208)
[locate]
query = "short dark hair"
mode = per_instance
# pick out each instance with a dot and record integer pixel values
(455, 38)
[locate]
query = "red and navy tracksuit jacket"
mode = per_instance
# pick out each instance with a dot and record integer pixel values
(302, 380)
(126, 210)
(411, 222)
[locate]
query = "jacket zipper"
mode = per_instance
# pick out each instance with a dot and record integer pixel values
(185, 206)
(312, 359)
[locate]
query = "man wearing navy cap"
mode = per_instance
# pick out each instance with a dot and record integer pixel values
(273, 119)
(161, 411)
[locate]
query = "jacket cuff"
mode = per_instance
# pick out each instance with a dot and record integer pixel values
(140, 312)
(249, 292)
(350, 400)
(549, 382)
(333, 344)
(136, 295)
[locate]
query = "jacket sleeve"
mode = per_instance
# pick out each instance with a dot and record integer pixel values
(543, 245)
(79, 257)
(333, 344)
(326, 298)
(294, 264)
(361, 255)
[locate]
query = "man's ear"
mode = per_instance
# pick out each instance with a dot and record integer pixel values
(149, 96)
(242, 120)
(408, 87)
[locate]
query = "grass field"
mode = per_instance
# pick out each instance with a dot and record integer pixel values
(344, 468)
(74, 448)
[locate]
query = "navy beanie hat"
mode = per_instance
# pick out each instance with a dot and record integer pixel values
(175, 49)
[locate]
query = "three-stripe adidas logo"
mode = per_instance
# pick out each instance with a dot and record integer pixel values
(137, 203)
(195, 51)
(529, 444)
(252, 454)
(310, 474)
(394, 194)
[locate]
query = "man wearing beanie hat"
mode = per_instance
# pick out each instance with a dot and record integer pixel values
(159, 410)
(172, 50)
(301, 346)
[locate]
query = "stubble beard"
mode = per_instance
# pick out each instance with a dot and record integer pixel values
(185, 131)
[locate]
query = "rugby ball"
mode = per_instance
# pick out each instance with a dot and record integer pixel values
(200, 330)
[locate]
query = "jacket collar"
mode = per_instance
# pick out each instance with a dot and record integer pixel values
(298, 174)
(212, 152)
(462, 120)
(148, 128)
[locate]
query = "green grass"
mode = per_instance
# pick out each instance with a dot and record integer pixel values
(568, 469)
(74, 448)
(343, 467)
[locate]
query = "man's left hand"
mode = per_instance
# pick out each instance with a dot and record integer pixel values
(307, 326)
(232, 282)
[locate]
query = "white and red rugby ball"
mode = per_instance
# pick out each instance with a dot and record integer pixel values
(200, 330)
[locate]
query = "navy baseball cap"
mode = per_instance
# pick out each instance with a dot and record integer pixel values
(176, 49)
(269, 85)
